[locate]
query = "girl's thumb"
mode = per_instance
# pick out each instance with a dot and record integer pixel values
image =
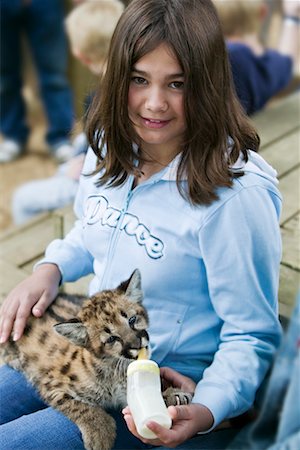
(41, 306)
(179, 412)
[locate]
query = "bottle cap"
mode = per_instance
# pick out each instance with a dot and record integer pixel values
(143, 365)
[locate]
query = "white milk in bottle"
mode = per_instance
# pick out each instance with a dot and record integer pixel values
(144, 396)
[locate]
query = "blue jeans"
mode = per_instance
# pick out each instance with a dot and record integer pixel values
(27, 423)
(41, 21)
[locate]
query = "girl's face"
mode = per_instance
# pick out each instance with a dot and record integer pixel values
(156, 102)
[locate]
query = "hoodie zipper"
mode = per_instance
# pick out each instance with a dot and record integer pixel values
(116, 232)
(114, 237)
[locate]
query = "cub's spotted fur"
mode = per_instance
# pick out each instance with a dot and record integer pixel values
(81, 368)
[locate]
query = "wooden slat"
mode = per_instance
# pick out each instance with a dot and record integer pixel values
(28, 267)
(284, 154)
(78, 287)
(27, 243)
(10, 277)
(278, 119)
(293, 223)
(290, 248)
(68, 219)
(289, 187)
(288, 289)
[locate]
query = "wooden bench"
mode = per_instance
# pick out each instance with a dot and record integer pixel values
(279, 128)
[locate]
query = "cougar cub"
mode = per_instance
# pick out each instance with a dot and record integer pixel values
(77, 356)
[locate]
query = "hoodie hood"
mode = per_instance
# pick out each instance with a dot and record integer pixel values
(255, 164)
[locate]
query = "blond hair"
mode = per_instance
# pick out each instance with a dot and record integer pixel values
(239, 17)
(90, 27)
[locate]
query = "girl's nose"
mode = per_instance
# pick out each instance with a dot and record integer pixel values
(156, 101)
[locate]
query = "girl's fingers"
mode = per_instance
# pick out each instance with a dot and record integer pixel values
(7, 322)
(40, 307)
(172, 378)
(20, 322)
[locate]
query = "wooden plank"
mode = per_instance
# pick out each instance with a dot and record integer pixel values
(28, 267)
(289, 188)
(284, 154)
(288, 289)
(25, 244)
(78, 287)
(290, 248)
(278, 119)
(10, 277)
(68, 219)
(293, 224)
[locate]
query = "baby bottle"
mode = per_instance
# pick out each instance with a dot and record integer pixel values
(144, 397)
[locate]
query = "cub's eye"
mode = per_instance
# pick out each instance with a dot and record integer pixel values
(132, 320)
(111, 339)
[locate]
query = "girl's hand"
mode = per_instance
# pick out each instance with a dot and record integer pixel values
(170, 377)
(187, 421)
(33, 295)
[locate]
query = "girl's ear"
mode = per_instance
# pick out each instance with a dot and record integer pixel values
(133, 287)
(74, 331)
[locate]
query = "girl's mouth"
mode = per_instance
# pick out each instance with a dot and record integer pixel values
(154, 123)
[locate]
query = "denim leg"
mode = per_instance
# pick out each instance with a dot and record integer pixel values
(48, 42)
(216, 440)
(125, 440)
(28, 424)
(12, 112)
(46, 429)
(17, 396)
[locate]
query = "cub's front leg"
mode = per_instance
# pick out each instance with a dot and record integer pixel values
(98, 428)
(174, 396)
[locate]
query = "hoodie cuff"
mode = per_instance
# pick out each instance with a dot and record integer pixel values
(216, 401)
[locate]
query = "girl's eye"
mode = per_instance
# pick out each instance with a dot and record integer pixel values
(139, 80)
(111, 339)
(176, 84)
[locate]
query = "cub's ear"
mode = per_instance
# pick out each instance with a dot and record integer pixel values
(74, 331)
(133, 287)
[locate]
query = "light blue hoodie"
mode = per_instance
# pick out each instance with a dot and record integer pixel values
(209, 273)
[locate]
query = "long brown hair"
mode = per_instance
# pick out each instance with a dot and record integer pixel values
(213, 113)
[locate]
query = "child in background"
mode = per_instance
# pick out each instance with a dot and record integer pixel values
(173, 185)
(258, 73)
(89, 28)
(40, 23)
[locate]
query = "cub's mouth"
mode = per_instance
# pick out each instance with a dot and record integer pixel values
(141, 353)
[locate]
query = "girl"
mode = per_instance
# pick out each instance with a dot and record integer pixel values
(171, 185)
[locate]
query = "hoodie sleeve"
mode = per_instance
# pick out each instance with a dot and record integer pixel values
(70, 254)
(241, 247)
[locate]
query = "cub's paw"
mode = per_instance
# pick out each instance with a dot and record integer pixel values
(173, 396)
